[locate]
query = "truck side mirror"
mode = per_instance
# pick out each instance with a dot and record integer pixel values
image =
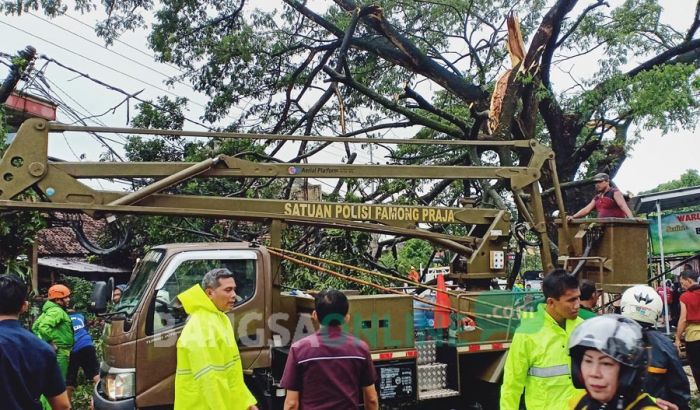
(101, 296)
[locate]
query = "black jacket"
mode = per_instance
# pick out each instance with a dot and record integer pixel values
(666, 378)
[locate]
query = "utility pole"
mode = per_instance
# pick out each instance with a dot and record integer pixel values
(19, 65)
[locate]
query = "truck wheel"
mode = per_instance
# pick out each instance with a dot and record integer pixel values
(260, 385)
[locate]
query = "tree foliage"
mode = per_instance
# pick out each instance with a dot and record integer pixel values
(430, 68)
(150, 231)
(690, 178)
(300, 65)
(413, 253)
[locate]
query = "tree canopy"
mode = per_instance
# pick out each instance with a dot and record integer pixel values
(395, 64)
(587, 74)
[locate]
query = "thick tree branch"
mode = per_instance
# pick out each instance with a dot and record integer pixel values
(414, 60)
(687, 52)
(696, 24)
(554, 42)
(681, 49)
(391, 105)
(549, 29)
(616, 153)
(301, 8)
(544, 41)
(427, 106)
(407, 55)
(396, 49)
(578, 21)
(436, 190)
(415, 158)
(404, 124)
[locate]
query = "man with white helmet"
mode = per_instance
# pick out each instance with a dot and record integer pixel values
(666, 378)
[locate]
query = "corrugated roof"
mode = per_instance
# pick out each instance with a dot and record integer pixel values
(77, 265)
(677, 198)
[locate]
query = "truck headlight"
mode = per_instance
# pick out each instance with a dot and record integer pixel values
(119, 386)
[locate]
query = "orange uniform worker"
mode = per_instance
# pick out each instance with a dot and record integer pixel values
(413, 274)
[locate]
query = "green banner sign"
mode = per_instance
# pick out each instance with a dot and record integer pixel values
(681, 233)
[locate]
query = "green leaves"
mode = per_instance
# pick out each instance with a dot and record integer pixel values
(413, 252)
(665, 97)
(690, 178)
(419, 69)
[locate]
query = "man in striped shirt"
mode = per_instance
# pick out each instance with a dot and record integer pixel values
(328, 369)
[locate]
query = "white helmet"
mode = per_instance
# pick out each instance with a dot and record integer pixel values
(641, 303)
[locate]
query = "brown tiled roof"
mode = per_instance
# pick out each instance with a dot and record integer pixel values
(61, 241)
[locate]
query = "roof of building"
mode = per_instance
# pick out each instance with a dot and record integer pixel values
(77, 265)
(61, 241)
(677, 198)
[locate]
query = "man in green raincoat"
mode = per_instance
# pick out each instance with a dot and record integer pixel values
(209, 370)
(54, 325)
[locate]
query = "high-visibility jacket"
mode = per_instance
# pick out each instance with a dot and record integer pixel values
(538, 363)
(54, 326)
(209, 370)
(642, 402)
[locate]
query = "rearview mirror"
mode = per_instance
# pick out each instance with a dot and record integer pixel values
(101, 296)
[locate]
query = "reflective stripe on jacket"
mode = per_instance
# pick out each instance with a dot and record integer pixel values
(209, 370)
(538, 363)
(54, 326)
(666, 379)
(641, 402)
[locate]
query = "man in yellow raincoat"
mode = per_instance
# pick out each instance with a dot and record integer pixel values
(209, 370)
(538, 362)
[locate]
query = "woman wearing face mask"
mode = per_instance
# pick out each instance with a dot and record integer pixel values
(609, 360)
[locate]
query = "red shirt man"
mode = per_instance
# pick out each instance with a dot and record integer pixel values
(689, 321)
(327, 370)
(608, 201)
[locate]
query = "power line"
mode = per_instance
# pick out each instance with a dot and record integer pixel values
(100, 138)
(122, 91)
(108, 49)
(151, 56)
(359, 154)
(73, 113)
(92, 118)
(337, 149)
(98, 63)
(119, 90)
(115, 89)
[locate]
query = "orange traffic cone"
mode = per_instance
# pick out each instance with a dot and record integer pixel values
(442, 312)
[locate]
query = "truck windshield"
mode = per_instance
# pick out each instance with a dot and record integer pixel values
(131, 297)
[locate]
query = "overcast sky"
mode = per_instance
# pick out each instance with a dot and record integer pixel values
(72, 41)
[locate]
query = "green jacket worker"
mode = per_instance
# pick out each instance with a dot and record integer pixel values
(54, 325)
